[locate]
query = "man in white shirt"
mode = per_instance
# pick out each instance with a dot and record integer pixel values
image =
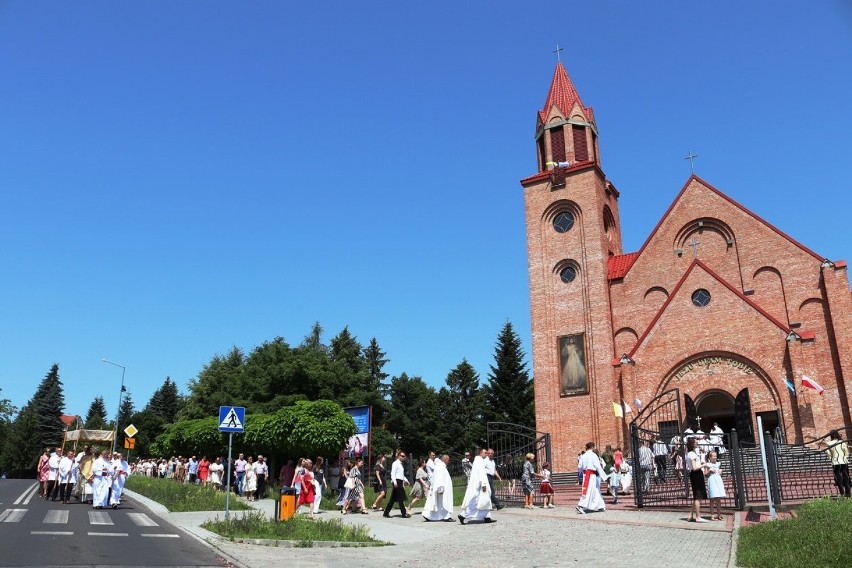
(491, 473)
(430, 466)
(102, 470)
(121, 470)
(52, 474)
(66, 464)
(466, 465)
(661, 458)
(591, 498)
(262, 471)
(399, 481)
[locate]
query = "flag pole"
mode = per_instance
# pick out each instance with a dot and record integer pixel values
(765, 468)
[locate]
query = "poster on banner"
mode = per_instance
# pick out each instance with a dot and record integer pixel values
(359, 444)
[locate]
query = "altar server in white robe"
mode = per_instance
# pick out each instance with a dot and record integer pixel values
(121, 470)
(102, 470)
(439, 502)
(591, 498)
(476, 505)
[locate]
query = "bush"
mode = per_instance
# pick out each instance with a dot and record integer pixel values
(819, 536)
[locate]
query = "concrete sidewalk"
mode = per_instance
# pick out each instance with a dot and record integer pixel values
(539, 537)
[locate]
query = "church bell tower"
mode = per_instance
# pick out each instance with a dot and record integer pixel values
(573, 230)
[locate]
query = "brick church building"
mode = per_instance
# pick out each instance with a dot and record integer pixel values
(717, 303)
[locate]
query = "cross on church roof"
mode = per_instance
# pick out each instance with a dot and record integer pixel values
(694, 244)
(691, 157)
(556, 51)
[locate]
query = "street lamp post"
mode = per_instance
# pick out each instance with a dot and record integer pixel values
(120, 393)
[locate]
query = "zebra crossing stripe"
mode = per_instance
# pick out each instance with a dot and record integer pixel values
(160, 535)
(142, 520)
(54, 533)
(12, 515)
(99, 518)
(56, 517)
(106, 534)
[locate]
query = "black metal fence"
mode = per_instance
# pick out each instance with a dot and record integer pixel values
(794, 471)
(511, 443)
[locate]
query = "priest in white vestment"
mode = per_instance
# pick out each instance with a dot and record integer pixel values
(120, 472)
(439, 502)
(591, 498)
(476, 505)
(102, 470)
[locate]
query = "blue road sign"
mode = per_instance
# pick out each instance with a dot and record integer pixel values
(232, 419)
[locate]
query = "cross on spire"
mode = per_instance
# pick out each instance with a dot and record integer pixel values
(691, 157)
(694, 244)
(556, 51)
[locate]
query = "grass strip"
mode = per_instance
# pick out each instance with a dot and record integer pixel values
(299, 529)
(818, 536)
(182, 497)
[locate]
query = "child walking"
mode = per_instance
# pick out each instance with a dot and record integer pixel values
(546, 487)
(715, 486)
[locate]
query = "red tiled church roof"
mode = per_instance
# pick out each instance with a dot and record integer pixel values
(562, 94)
(619, 265)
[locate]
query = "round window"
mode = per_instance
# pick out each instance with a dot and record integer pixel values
(563, 222)
(701, 297)
(568, 274)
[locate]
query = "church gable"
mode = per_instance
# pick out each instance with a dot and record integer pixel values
(704, 313)
(751, 255)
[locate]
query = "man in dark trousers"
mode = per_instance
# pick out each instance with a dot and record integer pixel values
(399, 481)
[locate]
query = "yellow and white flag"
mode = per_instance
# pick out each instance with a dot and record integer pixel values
(616, 408)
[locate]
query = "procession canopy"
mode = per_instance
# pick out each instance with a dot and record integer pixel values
(89, 435)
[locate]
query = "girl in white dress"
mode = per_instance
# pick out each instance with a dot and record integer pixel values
(715, 486)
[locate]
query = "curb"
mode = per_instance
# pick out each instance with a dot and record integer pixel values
(735, 535)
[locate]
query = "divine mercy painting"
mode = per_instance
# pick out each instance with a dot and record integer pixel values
(572, 365)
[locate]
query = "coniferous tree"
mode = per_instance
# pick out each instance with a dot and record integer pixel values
(220, 382)
(125, 411)
(48, 402)
(96, 417)
(165, 402)
(509, 394)
(414, 417)
(463, 408)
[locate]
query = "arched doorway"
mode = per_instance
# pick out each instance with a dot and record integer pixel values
(716, 406)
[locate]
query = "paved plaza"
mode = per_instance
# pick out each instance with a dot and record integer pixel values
(552, 537)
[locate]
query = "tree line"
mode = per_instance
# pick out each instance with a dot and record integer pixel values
(273, 382)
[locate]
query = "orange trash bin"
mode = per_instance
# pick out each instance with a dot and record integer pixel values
(287, 503)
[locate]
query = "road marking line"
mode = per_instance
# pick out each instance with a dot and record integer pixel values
(106, 534)
(142, 520)
(58, 533)
(12, 515)
(99, 518)
(161, 535)
(57, 517)
(31, 489)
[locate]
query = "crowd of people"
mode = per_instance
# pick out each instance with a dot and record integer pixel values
(88, 475)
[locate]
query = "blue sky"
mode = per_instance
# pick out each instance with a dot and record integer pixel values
(181, 177)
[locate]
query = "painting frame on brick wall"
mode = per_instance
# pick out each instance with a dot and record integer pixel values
(572, 365)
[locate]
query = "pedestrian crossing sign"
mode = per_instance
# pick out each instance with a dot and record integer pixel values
(232, 419)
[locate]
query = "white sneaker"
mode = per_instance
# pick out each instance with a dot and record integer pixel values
(581, 510)
(701, 520)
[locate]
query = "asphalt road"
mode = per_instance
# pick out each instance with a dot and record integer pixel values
(36, 532)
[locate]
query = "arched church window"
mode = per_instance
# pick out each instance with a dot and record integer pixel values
(563, 222)
(701, 297)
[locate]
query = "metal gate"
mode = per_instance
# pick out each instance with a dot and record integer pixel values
(657, 481)
(511, 444)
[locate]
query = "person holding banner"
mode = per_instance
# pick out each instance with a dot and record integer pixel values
(591, 499)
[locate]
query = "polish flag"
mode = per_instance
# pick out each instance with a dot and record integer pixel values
(627, 409)
(811, 384)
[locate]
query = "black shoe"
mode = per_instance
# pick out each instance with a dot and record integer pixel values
(461, 519)
(489, 520)
(115, 505)
(499, 506)
(385, 515)
(450, 520)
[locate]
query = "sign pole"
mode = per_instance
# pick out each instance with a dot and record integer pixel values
(228, 492)
(765, 467)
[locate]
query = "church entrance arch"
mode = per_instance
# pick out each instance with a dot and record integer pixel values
(716, 406)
